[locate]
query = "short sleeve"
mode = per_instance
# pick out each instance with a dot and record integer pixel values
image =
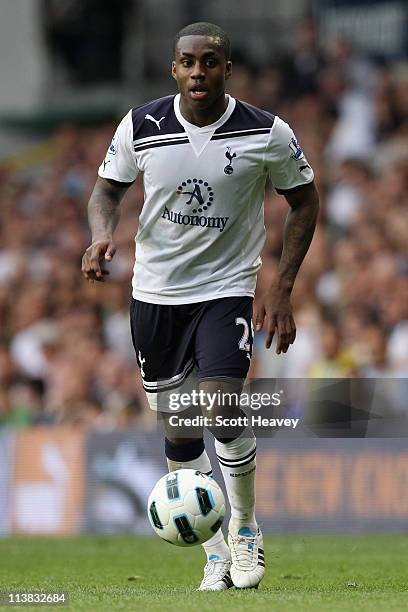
(287, 165)
(120, 162)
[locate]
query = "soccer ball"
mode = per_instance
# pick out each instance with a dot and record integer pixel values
(186, 507)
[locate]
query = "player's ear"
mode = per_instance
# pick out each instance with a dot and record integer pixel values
(173, 69)
(228, 70)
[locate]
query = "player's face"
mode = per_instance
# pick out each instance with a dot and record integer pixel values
(200, 69)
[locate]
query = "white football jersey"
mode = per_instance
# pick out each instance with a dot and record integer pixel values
(201, 229)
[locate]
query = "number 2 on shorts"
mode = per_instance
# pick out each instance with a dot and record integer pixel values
(243, 344)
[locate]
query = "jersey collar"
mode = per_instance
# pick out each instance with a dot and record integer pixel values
(199, 137)
(190, 127)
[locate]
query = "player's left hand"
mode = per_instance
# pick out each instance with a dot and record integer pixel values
(274, 310)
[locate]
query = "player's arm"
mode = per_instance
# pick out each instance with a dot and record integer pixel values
(117, 173)
(274, 308)
(103, 217)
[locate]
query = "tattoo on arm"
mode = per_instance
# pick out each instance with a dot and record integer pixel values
(103, 208)
(298, 233)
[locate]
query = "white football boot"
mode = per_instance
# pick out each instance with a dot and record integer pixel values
(216, 575)
(247, 558)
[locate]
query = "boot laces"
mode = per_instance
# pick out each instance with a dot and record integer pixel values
(244, 550)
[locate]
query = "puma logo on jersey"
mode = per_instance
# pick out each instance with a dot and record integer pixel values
(156, 121)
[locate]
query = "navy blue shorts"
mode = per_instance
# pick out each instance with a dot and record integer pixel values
(212, 339)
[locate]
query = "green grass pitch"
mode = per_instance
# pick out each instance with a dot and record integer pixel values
(304, 573)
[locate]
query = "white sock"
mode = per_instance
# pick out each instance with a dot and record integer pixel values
(202, 463)
(216, 546)
(237, 461)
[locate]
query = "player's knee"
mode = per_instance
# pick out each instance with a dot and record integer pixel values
(220, 396)
(221, 406)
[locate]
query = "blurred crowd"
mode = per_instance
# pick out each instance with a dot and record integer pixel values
(65, 346)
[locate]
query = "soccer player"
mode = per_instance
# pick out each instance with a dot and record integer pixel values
(205, 158)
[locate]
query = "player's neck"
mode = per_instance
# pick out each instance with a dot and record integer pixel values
(204, 116)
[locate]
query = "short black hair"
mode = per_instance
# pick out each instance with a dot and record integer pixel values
(203, 28)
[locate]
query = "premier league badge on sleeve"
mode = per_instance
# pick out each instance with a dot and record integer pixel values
(295, 147)
(112, 147)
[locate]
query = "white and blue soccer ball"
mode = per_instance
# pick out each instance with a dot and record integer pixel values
(186, 507)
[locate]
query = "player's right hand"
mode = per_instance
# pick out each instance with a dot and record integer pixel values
(98, 251)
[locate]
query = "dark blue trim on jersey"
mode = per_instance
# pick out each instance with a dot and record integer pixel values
(165, 142)
(245, 120)
(246, 117)
(163, 107)
(151, 144)
(240, 134)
